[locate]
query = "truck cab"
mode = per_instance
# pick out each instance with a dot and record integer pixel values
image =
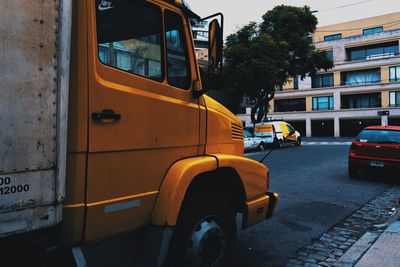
(145, 146)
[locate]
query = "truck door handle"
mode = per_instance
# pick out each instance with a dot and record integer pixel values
(106, 114)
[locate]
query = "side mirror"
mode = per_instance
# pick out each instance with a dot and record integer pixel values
(215, 44)
(292, 133)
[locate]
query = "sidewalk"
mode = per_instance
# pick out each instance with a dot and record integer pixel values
(361, 240)
(374, 249)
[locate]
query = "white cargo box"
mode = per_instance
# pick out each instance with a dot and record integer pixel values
(34, 56)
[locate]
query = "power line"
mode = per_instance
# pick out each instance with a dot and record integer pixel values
(339, 7)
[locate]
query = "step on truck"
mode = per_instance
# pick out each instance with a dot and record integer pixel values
(109, 144)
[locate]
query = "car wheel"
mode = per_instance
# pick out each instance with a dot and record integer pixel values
(298, 141)
(353, 172)
(204, 234)
(262, 146)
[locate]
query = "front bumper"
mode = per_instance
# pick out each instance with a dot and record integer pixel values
(260, 209)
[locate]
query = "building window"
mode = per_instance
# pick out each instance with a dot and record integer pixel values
(373, 30)
(332, 37)
(329, 54)
(323, 103)
(394, 74)
(394, 99)
(361, 101)
(373, 51)
(287, 105)
(296, 83)
(361, 77)
(322, 80)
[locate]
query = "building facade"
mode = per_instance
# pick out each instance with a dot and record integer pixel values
(362, 89)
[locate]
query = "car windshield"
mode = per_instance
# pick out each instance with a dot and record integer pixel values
(379, 137)
(248, 134)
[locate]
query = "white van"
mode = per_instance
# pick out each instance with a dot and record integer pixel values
(277, 133)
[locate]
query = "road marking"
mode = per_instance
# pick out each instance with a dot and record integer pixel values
(326, 143)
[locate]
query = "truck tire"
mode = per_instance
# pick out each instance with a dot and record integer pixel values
(204, 234)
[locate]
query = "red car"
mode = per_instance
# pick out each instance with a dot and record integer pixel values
(375, 148)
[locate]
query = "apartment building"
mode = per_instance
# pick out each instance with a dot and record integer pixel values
(362, 89)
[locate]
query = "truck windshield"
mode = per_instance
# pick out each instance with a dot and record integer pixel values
(379, 137)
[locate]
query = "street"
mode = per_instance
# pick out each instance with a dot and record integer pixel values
(315, 195)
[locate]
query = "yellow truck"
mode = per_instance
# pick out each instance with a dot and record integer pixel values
(106, 131)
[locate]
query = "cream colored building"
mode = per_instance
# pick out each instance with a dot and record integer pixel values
(362, 89)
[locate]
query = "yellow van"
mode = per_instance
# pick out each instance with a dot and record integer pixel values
(277, 133)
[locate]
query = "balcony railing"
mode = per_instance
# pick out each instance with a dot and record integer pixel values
(353, 83)
(371, 57)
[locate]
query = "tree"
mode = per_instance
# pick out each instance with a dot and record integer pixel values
(260, 57)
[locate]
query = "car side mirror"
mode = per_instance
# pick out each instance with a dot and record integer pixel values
(292, 132)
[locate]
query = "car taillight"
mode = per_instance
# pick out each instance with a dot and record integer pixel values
(352, 151)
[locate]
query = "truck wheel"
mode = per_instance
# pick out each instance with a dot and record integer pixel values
(204, 234)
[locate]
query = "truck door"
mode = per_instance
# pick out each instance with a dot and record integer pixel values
(143, 115)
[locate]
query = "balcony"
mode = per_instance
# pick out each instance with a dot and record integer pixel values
(377, 51)
(362, 77)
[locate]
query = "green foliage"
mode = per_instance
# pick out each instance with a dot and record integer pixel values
(263, 56)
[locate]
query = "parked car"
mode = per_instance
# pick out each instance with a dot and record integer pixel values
(277, 133)
(376, 147)
(252, 142)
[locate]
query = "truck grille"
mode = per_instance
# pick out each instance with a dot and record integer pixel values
(237, 132)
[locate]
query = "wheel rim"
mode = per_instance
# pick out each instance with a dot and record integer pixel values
(207, 244)
(262, 147)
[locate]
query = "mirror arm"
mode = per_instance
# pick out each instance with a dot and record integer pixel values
(196, 91)
(199, 93)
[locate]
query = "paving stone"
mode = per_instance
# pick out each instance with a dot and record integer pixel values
(339, 238)
(317, 257)
(307, 259)
(324, 264)
(330, 260)
(311, 265)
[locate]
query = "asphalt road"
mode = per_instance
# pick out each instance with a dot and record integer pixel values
(315, 194)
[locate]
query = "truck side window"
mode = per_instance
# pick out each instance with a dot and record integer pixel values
(177, 51)
(129, 36)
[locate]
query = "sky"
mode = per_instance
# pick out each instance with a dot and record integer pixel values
(238, 13)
